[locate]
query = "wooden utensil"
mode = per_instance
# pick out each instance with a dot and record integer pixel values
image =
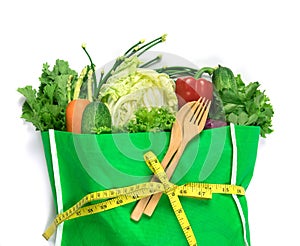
(193, 124)
(175, 140)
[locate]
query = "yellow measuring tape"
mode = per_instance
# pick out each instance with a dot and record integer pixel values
(121, 196)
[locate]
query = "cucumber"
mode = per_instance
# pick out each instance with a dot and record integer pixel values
(223, 78)
(96, 118)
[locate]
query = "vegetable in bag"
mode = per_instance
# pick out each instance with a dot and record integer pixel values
(132, 88)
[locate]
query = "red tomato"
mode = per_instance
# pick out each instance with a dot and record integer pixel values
(190, 89)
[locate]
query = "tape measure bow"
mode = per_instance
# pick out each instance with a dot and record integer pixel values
(121, 196)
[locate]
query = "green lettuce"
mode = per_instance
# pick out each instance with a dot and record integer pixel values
(131, 88)
(151, 120)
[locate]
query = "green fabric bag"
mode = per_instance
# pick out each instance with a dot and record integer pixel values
(79, 164)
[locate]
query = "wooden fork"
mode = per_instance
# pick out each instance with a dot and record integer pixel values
(175, 140)
(193, 124)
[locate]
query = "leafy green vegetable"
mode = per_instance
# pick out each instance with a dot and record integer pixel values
(151, 120)
(131, 88)
(224, 79)
(242, 104)
(45, 108)
(96, 118)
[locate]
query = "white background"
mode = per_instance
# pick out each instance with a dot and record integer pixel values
(258, 39)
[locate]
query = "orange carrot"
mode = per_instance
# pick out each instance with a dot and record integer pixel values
(74, 113)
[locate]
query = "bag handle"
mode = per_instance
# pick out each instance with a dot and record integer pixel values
(57, 183)
(233, 181)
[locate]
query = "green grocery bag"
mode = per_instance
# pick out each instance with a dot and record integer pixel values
(79, 164)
